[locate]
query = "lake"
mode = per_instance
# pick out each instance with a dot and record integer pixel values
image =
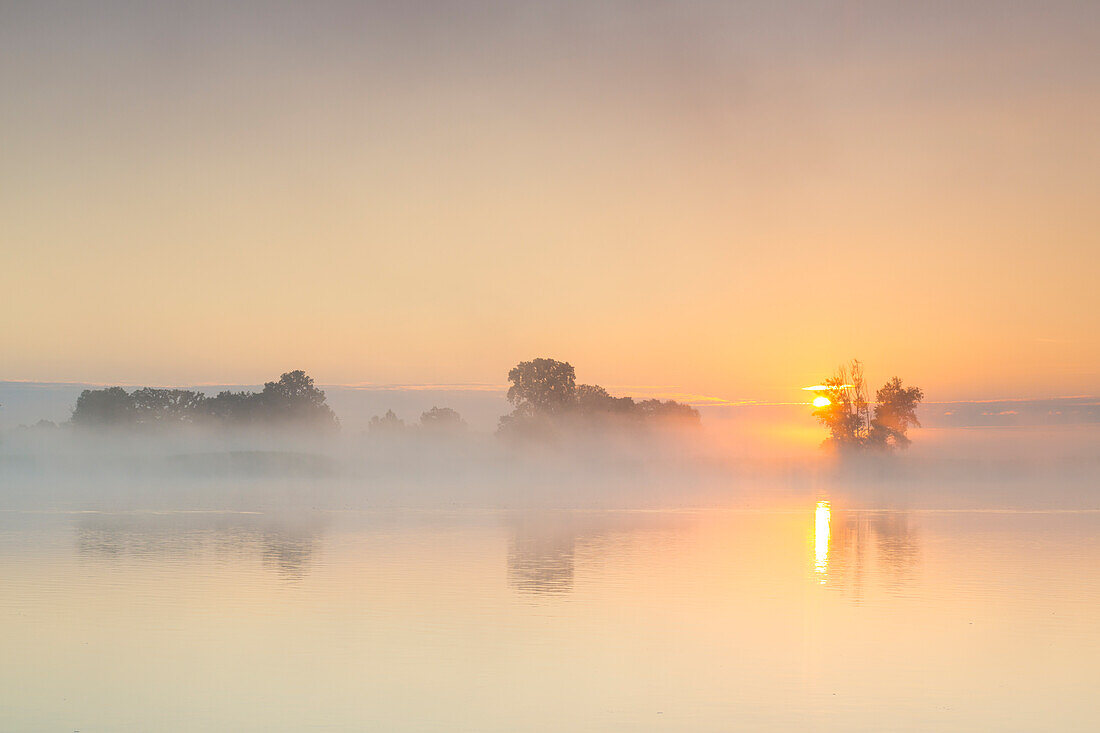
(809, 616)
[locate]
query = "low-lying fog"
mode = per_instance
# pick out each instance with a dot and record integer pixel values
(721, 462)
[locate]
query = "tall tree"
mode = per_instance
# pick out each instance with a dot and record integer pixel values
(848, 414)
(547, 397)
(895, 412)
(295, 399)
(112, 406)
(542, 386)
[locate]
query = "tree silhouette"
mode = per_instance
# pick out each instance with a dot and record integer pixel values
(592, 399)
(389, 424)
(112, 406)
(895, 412)
(165, 406)
(849, 417)
(233, 408)
(542, 386)
(668, 410)
(846, 414)
(545, 393)
(295, 399)
(292, 400)
(442, 420)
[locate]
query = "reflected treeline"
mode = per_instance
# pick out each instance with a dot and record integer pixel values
(287, 547)
(290, 553)
(541, 552)
(544, 547)
(852, 547)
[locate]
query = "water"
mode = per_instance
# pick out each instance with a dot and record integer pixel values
(810, 617)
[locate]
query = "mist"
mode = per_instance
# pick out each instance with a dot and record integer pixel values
(754, 456)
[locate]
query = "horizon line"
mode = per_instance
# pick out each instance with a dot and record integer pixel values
(658, 391)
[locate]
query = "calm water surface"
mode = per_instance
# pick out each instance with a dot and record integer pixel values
(806, 618)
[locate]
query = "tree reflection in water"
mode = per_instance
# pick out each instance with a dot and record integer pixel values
(287, 547)
(859, 543)
(546, 548)
(541, 553)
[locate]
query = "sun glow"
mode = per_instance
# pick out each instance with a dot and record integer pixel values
(822, 515)
(822, 401)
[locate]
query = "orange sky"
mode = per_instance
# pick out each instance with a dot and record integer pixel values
(727, 201)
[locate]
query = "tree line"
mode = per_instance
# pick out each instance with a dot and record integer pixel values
(436, 421)
(544, 392)
(292, 400)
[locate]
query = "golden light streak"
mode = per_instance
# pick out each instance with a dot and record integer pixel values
(821, 539)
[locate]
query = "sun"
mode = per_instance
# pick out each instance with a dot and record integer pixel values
(822, 401)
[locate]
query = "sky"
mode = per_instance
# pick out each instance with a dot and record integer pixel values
(712, 198)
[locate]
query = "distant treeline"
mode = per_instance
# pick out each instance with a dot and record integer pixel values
(544, 392)
(546, 397)
(439, 421)
(291, 401)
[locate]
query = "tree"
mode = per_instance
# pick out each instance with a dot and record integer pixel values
(442, 420)
(592, 399)
(546, 397)
(295, 400)
(895, 412)
(542, 386)
(848, 415)
(669, 410)
(233, 408)
(166, 406)
(112, 406)
(292, 400)
(389, 424)
(42, 425)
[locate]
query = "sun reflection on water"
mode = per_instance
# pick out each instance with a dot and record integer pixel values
(821, 539)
